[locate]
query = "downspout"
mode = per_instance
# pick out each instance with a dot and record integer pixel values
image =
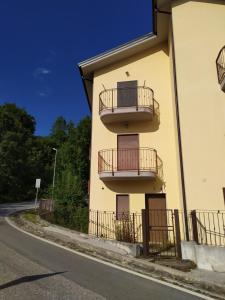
(84, 85)
(154, 16)
(179, 138)
(155, 11)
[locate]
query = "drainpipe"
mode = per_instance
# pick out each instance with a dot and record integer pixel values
(179, 138)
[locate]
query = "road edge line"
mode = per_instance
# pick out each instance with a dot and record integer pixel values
(12, 224)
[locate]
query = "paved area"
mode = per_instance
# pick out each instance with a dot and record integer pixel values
(33, 269)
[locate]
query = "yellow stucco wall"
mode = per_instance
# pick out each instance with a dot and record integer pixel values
(153, 67)
(199, 34)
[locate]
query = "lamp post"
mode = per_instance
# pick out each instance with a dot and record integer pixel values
(53, 182)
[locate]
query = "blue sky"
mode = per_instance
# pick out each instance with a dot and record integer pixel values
(42, 42)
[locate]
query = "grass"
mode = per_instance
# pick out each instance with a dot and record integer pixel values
(31, 216)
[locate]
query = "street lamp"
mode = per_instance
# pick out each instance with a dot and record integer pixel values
(53, 182)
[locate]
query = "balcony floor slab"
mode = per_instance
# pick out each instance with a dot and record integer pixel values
(127, 175)
(121, 114)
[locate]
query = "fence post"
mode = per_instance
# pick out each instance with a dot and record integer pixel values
(40, 206)
(177, 228)
(145, 231)
(156, 162)
(133, 228)
(112, 102)
(97, 223)
(194, 226)
(89, 223)
(112, 164)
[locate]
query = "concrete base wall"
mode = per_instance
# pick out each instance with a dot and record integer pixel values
(211, 258)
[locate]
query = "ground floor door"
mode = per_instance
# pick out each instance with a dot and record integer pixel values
(127, 152)
(156, 204)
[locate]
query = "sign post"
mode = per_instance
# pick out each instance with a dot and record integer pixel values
(37, 186)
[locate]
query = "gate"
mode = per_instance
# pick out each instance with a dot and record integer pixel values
(161, 232)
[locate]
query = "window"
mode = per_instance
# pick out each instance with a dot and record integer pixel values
(122, 207)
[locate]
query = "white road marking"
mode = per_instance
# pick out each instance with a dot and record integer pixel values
(109, 264)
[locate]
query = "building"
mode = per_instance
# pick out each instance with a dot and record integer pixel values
(158, 113)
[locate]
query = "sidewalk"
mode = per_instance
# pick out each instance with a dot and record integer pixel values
(210, 283)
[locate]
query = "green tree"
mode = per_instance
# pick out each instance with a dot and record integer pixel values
(59, 131)
(16, 134)
(72, 172)
(41, 158)
(25, 157)
(82, 151)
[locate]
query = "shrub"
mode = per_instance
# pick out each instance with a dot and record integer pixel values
(70, 216)
(124, 231)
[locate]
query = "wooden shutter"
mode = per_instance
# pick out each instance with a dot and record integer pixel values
(122, 206)
(127, 93)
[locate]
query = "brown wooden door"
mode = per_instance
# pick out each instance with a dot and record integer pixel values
(128, 152)
(127, 93)
(158, 230)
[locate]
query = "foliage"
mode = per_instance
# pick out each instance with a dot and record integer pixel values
(16, 137)
(25, 157)
(69, 215)
(124, 231)
(59, 131)
(31, 216)
(72, 172)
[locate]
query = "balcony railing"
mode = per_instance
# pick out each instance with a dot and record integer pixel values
(220, 64)
(128, 100)
(141, 162)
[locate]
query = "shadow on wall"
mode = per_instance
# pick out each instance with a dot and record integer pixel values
(139, 126)
(131, 186)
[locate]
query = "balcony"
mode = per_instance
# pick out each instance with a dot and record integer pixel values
(127, 164)
(127, 104)
(220, 64)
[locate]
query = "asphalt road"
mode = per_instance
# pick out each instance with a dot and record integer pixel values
(32, 269)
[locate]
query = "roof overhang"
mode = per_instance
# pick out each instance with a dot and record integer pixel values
(159, 35)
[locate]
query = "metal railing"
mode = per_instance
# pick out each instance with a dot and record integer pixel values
(126, 227)
(137, 159)
(220, 64)
(208, 227)
(159, 230)
(160, 227)
(144, 98)
(204, 227)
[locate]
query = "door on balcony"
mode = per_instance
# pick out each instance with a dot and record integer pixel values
(127, 93)
(128, 152)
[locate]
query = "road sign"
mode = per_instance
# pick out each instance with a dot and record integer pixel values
(38, 183)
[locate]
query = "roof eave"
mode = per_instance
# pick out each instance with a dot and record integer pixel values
(89, 66)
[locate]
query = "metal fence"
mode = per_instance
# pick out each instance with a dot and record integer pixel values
(126, 227)
(207, 227)
(160, 231)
